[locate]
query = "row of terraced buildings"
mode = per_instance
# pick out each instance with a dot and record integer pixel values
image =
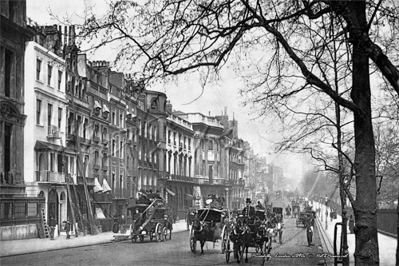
(66, 120)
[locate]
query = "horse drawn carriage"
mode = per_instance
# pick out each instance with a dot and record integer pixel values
(296, 208)
(246, 233)
(304, 217)
(151, 220)
(209, 224)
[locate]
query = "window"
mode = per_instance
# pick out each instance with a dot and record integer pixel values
(32, 209)
(70, 123)
(52, 162)
(38, 68)
(85, 127)
(104, 160)
(121, 120)
(59, 80)
(121, 149)
(169, 136)
(38, 111)
(20, 208)
(150, 131)
(96, 157)
(49, 116)
(210, 145)
(49, 74)
(174, 138)
(113, 147)
(6, 210)
(189, 144)
(59, 118)
(139, 127)
(95, 131)
(104, 135)
(113, 117)
(7, 72)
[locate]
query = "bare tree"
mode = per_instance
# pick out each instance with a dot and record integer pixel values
(172, 37)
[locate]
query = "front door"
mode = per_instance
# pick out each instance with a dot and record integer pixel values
(52, 205)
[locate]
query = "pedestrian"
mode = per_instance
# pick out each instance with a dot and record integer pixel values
(52, 227)
(280, 232)
(309, 232)
(67, 228)
(351, 224)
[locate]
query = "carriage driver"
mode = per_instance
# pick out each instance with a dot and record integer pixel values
(249, 212)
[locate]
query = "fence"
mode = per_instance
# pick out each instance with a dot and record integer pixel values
(387, 221)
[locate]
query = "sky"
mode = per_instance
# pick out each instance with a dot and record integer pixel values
(210, 100)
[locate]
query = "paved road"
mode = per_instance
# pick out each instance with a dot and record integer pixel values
(293, 251)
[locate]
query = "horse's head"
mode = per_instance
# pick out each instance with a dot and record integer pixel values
(198, 225)
(262, 230)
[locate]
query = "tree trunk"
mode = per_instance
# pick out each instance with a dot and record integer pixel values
(397, 236)
(365, 207)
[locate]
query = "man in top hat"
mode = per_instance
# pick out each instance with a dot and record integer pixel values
(249, 211)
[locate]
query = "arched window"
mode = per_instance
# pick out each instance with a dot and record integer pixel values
(154, 104)
(96, 157)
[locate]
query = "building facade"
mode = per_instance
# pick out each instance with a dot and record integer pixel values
(19, 212)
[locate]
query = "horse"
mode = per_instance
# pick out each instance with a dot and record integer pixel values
(241, 237)
(201, 231)
(264, 238)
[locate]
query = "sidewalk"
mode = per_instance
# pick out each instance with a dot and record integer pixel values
(27, 246)
(387, 245)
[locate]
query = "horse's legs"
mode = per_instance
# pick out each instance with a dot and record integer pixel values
(202, 247)
(246, 254)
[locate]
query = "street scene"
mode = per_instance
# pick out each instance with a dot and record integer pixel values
(178, 132)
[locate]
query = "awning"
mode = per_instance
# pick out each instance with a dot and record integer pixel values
(105, 109)
(100, 213)
(41, 145)
(97, 105)
(106, 187)
(170, 192)
(97, 187)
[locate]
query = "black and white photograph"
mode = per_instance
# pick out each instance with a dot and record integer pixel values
(199, 132)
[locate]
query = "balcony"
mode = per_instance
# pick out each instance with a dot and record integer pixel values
(105, 168)
(53, 132)
(96, 139)
(71, 137)
(89, 180)
(218, 181)
(181, 178)
(50, 177)
(102, 198)
(121, 193)
(96, 167)
(9, 178)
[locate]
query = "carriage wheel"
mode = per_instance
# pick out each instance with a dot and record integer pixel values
(158, 232)
(151, 236)
(227, 251)
(141, 238)
(193, 241)
(225, 239)
(134, 239)
(169, 232)
(163, 234)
